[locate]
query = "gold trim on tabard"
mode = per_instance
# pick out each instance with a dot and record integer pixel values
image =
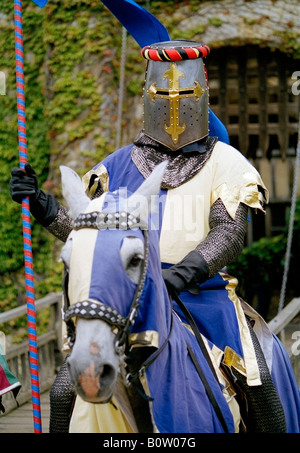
(141, 339)
(250, 361)
(232, 359)
(101, 174)
(247, 193)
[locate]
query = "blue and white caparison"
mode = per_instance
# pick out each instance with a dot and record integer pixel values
(128, 345)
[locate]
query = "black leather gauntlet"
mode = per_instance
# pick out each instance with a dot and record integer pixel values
(190, 270)
(43, 206)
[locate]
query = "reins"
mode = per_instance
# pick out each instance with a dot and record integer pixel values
(138, 372)
(202, 376)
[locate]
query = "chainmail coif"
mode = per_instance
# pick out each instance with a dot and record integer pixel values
(182, 166)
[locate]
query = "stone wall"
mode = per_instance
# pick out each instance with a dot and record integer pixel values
(272, 23)
(217, 23)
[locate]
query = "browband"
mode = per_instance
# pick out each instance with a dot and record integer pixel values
(104, 220)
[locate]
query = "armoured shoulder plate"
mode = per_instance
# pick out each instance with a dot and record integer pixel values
(95, 179)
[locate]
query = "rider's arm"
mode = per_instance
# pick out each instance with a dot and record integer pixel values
(225, 240)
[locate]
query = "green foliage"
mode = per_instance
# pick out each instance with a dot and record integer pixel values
(134, 87)
(290, 42)
(61, 42)
(215, 21)
(263, 261)
(11, 244)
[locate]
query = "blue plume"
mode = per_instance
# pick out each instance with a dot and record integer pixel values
(140, 24)
(40, 3)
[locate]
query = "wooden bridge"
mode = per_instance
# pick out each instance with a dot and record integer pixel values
(20, 420)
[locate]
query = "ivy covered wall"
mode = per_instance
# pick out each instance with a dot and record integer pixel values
(73, 52)
(11, 243)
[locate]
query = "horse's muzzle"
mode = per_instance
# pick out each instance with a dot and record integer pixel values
(93, 384)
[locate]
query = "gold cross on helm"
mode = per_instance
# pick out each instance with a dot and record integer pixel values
(173, 94)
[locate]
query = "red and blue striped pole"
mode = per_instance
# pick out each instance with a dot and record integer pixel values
(28, 259)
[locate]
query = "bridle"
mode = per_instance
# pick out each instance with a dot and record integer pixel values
(91, 309)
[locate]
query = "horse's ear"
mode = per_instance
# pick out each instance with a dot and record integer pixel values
(73, 191)
(142, 200)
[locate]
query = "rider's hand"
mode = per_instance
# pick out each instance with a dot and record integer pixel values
(185, 275)
(43, 206)
(24, 184)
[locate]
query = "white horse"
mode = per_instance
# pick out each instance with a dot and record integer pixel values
(128, 346)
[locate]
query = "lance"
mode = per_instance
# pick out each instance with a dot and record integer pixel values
(28, 258)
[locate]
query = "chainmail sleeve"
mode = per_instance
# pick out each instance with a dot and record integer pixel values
(225, 240)
(62, 225)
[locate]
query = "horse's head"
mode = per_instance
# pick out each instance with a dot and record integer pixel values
(106, 259)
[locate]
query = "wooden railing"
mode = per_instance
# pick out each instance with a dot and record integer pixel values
(50, 343)
(49, 347)
(287, 326)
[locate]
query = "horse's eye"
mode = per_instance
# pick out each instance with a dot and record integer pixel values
(135, 261)
(132, 255)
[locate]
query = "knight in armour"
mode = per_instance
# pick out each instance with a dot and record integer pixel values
(217, 186)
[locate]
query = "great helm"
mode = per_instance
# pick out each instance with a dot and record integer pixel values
(176, 93)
